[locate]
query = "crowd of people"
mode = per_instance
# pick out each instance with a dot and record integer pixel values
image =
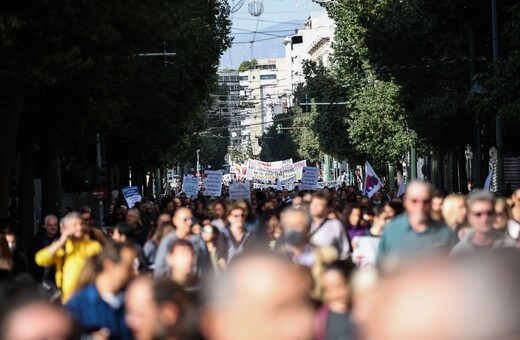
(278, 266)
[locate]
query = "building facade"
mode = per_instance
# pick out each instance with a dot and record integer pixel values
(263, 91)
(312, 42)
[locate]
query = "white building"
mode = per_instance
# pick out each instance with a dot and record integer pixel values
(263, 91)
(313, 42)
(228, 105)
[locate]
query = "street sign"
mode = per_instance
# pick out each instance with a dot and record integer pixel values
(99, 194)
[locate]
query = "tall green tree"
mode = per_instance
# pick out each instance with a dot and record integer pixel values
(307, 141)
(279, 144)
(69, 70)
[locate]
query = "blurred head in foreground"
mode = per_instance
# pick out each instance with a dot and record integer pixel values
(473, 298)
(34, 320)
(261, 296)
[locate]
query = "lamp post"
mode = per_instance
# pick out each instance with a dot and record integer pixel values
(198, 161)
(498, 118)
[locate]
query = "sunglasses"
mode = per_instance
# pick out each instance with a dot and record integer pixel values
(207, 230)
(416, 201)
(486, 213)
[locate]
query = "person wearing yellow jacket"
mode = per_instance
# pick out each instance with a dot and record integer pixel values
(68, 254)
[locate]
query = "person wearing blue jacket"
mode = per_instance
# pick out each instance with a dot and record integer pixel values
(99, 306)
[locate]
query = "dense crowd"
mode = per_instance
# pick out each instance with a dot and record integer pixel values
(282, 265)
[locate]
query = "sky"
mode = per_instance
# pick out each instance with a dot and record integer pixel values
(275, 12)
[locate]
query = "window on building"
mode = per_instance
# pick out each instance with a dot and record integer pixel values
(244, 77)
(267, 76)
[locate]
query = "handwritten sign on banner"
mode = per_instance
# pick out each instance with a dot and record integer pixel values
(364, 256)
(240, 190)
(132, 196)
(212, 183)
(190, 185)
(310, 177)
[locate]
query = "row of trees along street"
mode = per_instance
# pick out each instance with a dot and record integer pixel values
(417, 73)
(70, 70)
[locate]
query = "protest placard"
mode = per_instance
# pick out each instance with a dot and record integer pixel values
(240, 190)
(330, 184)
(212, 183)
(190, 185)
(364, 256)
(310, 177)
(298, 168)
(132, 196)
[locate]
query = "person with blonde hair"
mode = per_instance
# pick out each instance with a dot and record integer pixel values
(503, 218)
(454, 214)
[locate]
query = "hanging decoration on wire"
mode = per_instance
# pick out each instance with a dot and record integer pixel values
(236, 7)
(255, 7)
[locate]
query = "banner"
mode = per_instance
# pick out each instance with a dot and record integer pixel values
(402, 188)
(288, 186)
(258, 169)
(330, 184)
(191, 185)
(364, 256)
(310, 177)
(132, 196)
(372, 182)
(298, 168)
(212, 183)
(240, 190)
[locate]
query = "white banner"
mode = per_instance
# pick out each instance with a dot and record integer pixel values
(212, 183)
(240, 190)
(191, 185)
(364, 256)
(310, 177)
(254, 167)
(288, 186)
(298, 169)
(329, 184)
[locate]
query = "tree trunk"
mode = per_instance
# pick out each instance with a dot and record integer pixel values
(51, 180)
(9, 123)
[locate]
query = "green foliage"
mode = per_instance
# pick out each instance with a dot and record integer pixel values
(329, 124)
(73, 66)
(403, 63)
(247, 65)
(276, 146)
(377, 124)
(306, 140)
(501, 84)
(239, 153)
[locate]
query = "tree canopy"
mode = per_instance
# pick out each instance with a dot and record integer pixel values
(70, 70)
